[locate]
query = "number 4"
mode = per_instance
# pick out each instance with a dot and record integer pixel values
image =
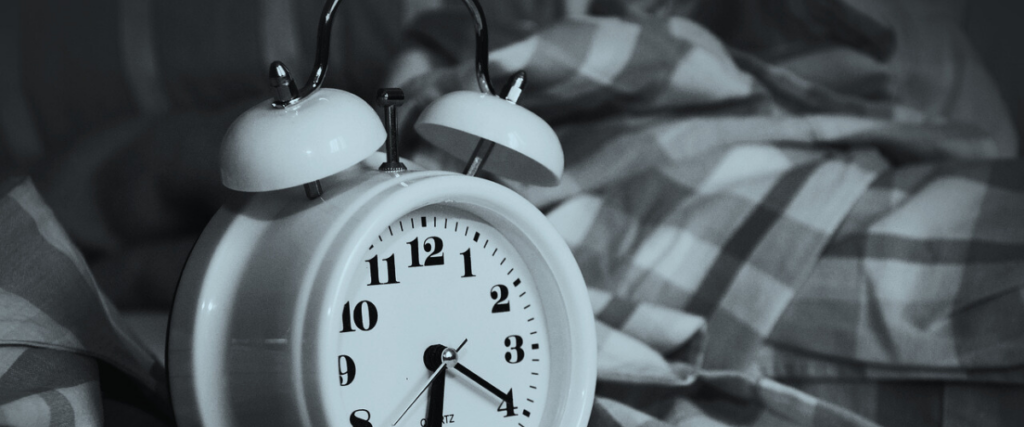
(507, 405)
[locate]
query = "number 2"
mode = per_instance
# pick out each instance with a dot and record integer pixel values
(499, 293)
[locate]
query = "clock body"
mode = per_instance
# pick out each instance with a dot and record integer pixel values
(318, 312)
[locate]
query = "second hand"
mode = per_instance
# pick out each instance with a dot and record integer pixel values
(427, 385)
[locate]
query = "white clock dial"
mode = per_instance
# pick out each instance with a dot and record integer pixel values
(440, 276)
(301, 313)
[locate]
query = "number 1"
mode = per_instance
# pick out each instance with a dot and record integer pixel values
(467, 262)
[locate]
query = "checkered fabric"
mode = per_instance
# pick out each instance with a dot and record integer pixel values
(763, 250)
(58, 334)
(760, 249)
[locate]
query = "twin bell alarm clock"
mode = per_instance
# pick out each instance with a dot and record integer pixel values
(331, 293)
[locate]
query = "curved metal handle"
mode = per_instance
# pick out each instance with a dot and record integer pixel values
(483, 75)
(285, 92)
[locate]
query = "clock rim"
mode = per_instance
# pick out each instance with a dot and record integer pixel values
(362, 204)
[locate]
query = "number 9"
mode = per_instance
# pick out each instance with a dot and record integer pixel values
(347, 373)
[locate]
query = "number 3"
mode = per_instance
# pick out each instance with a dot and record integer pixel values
(515, 346)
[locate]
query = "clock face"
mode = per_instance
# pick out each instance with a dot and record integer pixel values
(442, 278)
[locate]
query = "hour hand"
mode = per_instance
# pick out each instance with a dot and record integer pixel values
(436, 358)
(435, 400)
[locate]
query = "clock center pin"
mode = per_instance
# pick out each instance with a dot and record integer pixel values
(438, 354)
(450, 358)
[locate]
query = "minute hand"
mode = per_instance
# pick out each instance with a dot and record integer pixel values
(483, 383)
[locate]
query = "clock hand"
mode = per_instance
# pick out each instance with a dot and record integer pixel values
(435, 400)
(425, 386)
(507, 404)
(483, 383)
(444, 356)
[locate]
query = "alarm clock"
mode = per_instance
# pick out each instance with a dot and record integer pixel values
(332, 293)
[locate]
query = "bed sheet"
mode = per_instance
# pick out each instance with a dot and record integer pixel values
(776, 226)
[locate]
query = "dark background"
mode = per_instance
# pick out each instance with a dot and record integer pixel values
(996, 30)
(116, 108)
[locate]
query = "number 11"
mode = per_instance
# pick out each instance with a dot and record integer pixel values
(375, 273)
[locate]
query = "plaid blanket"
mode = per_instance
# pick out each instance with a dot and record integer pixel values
(59, 335)
(765, 250)
(761, 248)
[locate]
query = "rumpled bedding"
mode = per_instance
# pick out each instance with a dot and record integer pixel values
(775, 226)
